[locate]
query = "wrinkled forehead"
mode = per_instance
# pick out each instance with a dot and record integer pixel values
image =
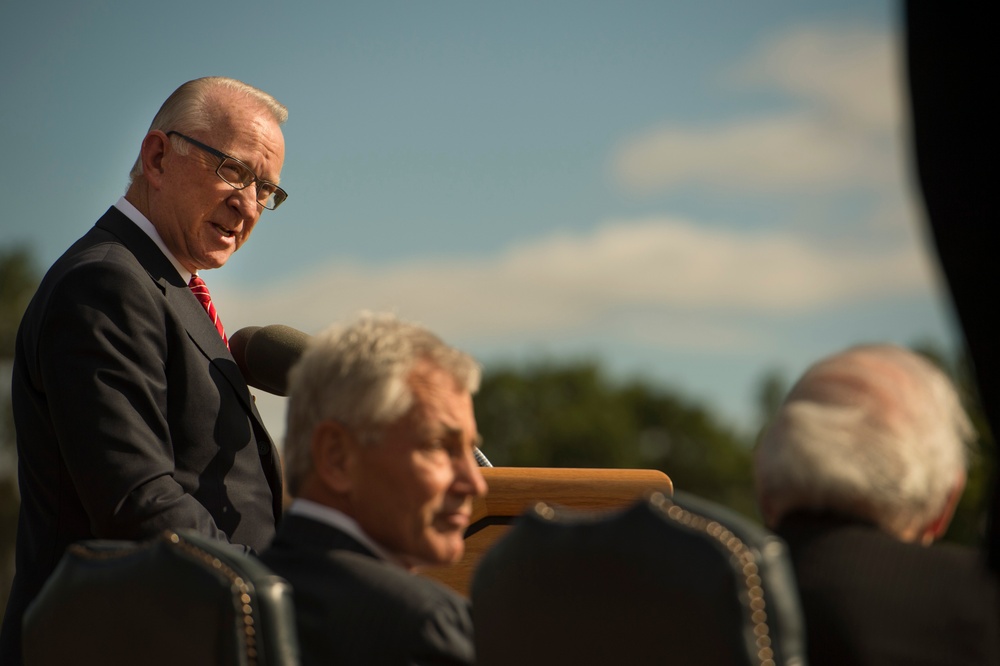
(237, 118)
(427, 376)
(257, 141)
(438, 396)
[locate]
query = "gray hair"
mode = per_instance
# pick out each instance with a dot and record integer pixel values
(195, 107)
(357, 374)
(876, 431)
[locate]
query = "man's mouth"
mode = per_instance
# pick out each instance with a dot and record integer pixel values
(228, 233)
(456, 520)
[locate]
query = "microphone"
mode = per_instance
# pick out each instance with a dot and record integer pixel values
(266, 354)
(482, 460)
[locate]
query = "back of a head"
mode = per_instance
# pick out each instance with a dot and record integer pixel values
(357, 374)
(877, 432)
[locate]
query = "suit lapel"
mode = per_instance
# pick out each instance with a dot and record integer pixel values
(197, 324)
(199, 327)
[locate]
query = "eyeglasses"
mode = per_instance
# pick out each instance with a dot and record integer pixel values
(240, 176)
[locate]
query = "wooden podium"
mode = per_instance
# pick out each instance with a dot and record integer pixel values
(515, 489)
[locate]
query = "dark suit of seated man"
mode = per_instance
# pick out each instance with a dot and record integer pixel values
(860, 472)
(379, 453)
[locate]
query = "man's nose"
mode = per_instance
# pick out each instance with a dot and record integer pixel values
(245, 202)
(469, 477)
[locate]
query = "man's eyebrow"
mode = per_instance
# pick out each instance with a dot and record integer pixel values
(456, 433)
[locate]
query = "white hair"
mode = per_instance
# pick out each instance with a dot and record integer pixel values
(876, 431)
(357, 374)
(195, 106)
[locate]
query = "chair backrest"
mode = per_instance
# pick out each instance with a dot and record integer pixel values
(177, 599)
(666, 581)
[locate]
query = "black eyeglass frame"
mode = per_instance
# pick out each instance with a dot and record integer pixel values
(278, 195)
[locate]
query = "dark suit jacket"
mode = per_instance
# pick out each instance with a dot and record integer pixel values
(353, 608)
(871, 599)
(131, 415)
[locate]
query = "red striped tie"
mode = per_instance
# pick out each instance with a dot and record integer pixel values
(200, 291)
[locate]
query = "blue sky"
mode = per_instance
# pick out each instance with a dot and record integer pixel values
(692, 193)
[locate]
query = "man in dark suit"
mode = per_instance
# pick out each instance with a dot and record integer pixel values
(131, 414)
(860, 472)
(380, 460)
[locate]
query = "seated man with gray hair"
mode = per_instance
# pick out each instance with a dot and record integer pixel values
(860, 471)
(379, 456)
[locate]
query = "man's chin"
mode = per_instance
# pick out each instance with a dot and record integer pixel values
(438, 558)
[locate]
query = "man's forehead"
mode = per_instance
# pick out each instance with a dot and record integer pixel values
(237, 121)
(427, 376)
(439, 400)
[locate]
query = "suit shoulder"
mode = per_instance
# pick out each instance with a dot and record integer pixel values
(97, 250)
(96, 279)
(96, 261)
(354, 608)
(392, 582)
(93, 274)
(431, 623)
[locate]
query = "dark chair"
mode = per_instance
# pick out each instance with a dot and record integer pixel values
(177, 599)
(666, 581)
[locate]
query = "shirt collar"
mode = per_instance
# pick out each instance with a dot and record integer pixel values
(140, 220)
(340, 520)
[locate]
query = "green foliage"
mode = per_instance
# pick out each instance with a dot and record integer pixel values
(18, 281)
(771, 391)
(573, 416)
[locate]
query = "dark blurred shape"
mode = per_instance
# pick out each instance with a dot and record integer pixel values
(177, 599)
(950, 57)
(680, 581)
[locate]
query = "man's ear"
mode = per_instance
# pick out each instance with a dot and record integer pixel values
(333, 449)
(154, 148)
(936, 529)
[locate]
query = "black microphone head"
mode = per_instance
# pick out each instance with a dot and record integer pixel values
(238, 345)
(266, 354)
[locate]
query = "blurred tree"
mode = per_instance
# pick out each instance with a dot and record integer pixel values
(548, 416)
(691, 444)
(573, 416)
(771, 391)
(18, 281)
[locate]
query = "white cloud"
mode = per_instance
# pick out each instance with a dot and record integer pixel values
(851, 74)
(672, 284)
(842, 131)
(796, 152)
(567, 282)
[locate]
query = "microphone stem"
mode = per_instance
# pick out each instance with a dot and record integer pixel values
(480, 458)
